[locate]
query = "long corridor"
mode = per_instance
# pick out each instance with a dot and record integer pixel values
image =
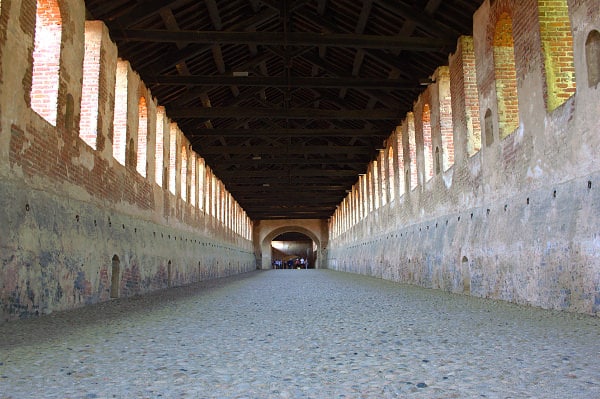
(301, 334)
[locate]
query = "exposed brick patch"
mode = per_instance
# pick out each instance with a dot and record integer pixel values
(505, 75)
(557, 42)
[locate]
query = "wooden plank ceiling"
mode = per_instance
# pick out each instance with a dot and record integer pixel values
(287, 101)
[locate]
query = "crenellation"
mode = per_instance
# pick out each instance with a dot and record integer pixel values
(511, 218)
(73, 216)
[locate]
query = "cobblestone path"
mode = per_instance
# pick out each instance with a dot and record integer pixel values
(301, 334)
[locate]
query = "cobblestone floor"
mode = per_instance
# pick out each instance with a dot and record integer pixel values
(301, 334)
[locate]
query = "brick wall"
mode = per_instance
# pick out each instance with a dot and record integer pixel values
(68, 208)
(495, 224)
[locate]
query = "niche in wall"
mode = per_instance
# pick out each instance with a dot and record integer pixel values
(115, 277)
(592, 58)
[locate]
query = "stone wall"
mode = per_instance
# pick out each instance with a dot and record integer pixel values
(78, 226)
(516, 216)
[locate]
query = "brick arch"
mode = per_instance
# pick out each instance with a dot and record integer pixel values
(266, 231)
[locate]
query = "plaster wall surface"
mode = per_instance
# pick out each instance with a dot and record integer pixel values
(76, 226)
(518, 220)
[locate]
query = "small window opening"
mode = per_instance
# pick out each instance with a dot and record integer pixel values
(505, 76)
(172, 157)
(142, 139)
(88, 122)
(120, 114)
(427, 143)
(46, 60)
(159, 153)
(184, 173)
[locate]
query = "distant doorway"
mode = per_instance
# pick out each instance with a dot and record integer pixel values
(293, 251)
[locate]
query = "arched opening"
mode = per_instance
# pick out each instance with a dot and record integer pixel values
(184, 169)
(201, 179)
(400, 153)
(391, 173)
(160, 146)
(505, 76)
(193, 187)
(172, 157)
(383, 177)
(115, 277)
(142, 139)
(46, 60)
(293, 251)
(557, 44)
(488, 127)
(120, 113)
(471, 96)
(88, 122)
(376, 185)
(466, 275)
(412, 153)
(427, 144)
(364, 206)
(592, 58)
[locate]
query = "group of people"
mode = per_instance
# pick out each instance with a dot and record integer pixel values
(294, 263)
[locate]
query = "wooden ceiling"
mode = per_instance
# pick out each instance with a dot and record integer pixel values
(287, 101)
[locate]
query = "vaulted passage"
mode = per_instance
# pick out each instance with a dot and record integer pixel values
(302, 334)
(150, 148)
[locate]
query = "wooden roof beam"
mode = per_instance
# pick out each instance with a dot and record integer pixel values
(283, 150)
(281, 113)
(281, 39)
(266, 81)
